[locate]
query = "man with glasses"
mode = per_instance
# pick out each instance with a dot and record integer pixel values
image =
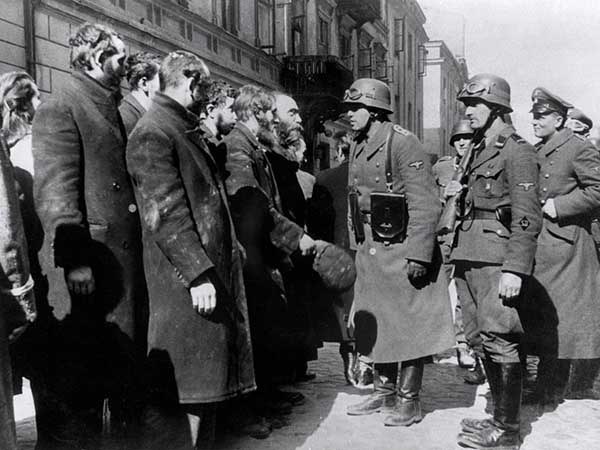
(493, 251)
(566, 286)
(92, 253)
(401, 306)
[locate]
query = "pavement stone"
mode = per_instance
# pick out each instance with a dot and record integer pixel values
(322, 424)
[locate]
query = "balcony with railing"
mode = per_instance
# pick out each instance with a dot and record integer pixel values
(316, 75)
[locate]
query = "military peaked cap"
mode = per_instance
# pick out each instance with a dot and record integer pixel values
(578, 114)
(545, 102)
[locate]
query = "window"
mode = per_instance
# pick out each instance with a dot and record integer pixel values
(419, 124)
(323, 32)
(298, 35)
(410, 51)
(154, 14)
(265, 24)
(185, 30)
(422, 69)
(399, 35)
(230, 15)
(409, 119)
(236, 55)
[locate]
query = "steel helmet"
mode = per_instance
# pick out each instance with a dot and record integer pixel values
(371, 93)
(489, 88)
(461, 128)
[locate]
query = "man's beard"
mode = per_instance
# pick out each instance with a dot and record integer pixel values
(223, 128)
(284, 130)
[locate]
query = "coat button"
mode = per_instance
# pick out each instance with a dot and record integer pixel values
(125, 245)
(116, 186)
(499, 232)
(545, 189)
(543, 202)
(376, 164)
(372, 251)
(547, 175)
(376, 179)
(132, 208)
(551, 162)
(487, 173)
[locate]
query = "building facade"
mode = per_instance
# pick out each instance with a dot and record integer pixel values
(235, 37)
(446, 75)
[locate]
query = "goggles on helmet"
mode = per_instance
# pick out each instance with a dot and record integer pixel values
(475, 87)
(352, 94)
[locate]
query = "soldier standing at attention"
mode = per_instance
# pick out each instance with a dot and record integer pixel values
(567, 268)
(493, 251)
(401, 305)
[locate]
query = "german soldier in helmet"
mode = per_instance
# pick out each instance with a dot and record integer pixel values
(401, 306)
(579, 122)
(493, 251)
(566, 286)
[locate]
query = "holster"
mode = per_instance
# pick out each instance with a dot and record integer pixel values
(357, 218)
(389, 217)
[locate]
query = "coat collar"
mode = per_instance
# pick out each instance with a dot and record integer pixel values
(557, 140)
(134, 103)
(189, 120)
(96, 91)
(492, 149)
(245, 131)
(377, 137)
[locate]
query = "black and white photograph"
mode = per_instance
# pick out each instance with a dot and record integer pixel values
(299, 224)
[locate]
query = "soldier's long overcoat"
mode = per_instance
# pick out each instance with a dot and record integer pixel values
(403, 320)
(188, 233)
(85, 200)
(567, 285)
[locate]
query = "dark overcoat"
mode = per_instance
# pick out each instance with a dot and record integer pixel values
(567, 270)
(268, 237)
(188, 233)
(131, 111)
(404, 320)
(85, 201)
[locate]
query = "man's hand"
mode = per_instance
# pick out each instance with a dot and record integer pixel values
(416, 270)
(307, 245)
(80, 280)
(549, 209)
(453, 188)
(204, 298)
(510, 286)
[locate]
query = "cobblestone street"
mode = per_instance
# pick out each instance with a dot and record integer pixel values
(322, 424)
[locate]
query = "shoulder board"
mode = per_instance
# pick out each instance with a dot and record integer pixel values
(445, 158)
(518, 138)
(400, 130)
(580, 137)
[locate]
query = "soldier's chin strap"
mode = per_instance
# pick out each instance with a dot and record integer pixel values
(479, 134)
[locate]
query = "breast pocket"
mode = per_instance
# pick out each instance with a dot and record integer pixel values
(489, 182)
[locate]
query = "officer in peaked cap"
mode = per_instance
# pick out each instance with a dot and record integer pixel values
(579, 122)
(401, 306)
(493, 252)
(566, 285)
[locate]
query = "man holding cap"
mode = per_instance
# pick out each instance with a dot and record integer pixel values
(564, 291)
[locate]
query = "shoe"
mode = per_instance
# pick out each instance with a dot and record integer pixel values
(470, 425)
(464, 358)
(476, 375)
(362, 375)
(293, 398)
(503, 431)
(383, 397)
(408, 406)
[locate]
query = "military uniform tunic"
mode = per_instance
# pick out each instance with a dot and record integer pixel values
(396, 320)
(503, 173)
(567, 268)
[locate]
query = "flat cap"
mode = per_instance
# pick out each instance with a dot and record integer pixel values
(545, 102)
(334, 266)
(578, 114)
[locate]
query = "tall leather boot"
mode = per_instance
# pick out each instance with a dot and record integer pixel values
(383, 397)
(492, 370)
(408, 407)
(475, 375)
(504, 432)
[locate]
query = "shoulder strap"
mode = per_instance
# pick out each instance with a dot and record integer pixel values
(389, 179)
